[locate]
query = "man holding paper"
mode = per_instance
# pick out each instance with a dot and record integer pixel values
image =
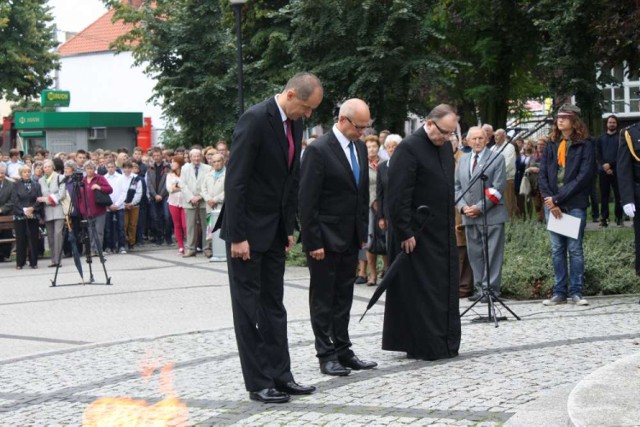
(566, 174)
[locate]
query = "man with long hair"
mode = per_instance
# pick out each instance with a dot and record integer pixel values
(566, 175)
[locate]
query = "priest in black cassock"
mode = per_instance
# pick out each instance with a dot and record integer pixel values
(421, 311)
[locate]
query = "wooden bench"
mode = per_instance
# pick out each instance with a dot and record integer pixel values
(6, 223)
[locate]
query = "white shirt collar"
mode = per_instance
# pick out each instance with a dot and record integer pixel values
(283, 116)
(344, 142)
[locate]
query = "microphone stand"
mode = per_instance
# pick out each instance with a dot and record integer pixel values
(487, 292)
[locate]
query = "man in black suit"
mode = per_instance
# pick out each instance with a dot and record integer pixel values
(334, 201)
(261, 188)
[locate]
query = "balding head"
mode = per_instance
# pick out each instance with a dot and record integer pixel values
(354, 117)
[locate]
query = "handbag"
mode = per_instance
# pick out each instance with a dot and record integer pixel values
(525, 186)
(102, 199)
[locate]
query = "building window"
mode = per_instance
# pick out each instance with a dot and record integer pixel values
(621, 99)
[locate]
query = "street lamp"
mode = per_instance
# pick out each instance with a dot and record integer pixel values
(237, 7)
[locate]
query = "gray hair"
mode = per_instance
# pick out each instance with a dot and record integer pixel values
(48, 162)
(393, 138)
(481, 129)
(89, 165)
(304, 84)
(71, 164)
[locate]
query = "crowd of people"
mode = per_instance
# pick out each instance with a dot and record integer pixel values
(160, 196)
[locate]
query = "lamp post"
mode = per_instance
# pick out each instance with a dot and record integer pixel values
(237, 8)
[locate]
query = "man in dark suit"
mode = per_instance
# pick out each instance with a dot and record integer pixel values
(334, 200)
(261, 188)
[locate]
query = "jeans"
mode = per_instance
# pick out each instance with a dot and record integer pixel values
(114, 230)
(162, 223)
(560, 247)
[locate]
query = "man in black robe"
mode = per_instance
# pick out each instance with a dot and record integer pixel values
(421, 312)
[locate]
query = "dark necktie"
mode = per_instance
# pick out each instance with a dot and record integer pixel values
(290, 139)
(475, 163)
(354, 163)
(196, 170)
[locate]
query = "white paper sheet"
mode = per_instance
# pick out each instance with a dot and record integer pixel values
(567, 225)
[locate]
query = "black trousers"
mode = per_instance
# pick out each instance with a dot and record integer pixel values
(330, 299)
(607, 182)
(27, 238)
(259, 316)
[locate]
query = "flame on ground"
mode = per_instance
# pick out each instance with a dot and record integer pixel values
(124, 411)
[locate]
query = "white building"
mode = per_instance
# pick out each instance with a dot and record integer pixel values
(101, 80)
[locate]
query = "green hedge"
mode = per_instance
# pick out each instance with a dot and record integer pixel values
(528, 271)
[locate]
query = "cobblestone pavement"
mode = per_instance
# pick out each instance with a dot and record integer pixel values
(500, 371)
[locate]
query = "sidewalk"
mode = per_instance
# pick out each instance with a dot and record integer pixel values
(177, 310)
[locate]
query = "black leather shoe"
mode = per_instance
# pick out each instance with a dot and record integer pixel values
(356, 364)
(294, 388)
(269, 395)
(333, 367)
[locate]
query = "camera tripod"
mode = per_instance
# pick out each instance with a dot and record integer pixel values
(85, 229)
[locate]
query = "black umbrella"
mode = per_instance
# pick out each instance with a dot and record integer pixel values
(401, 260)
(74, 248)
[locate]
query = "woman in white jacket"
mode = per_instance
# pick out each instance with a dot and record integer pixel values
(53, 192)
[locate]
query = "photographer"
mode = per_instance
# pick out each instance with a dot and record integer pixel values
(89, 209)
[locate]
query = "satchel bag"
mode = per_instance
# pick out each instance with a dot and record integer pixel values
(102, 199)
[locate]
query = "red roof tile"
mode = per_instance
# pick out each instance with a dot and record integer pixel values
(96, 37)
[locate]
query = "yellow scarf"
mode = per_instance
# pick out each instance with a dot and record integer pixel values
(562, 153)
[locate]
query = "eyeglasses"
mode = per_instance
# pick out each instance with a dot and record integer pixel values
(355, 125)
(444, 133)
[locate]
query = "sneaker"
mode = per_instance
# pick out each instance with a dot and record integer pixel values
(555, 300)
(181, 251)
(578, 300)
(123, 251)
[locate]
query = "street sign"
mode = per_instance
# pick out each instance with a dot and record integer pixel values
(55, 98)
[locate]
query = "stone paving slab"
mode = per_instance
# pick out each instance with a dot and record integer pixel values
(500, 371)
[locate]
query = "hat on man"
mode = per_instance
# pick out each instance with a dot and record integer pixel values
(569, 110)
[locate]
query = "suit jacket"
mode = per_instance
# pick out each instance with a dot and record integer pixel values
(260, 189)
(190, 186)
(496, 213)
(6, 205)
(334, 212)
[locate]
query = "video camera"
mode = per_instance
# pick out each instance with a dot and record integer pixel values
(77, 176)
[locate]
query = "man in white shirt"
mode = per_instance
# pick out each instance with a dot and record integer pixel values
(114, 224)
(509, 154)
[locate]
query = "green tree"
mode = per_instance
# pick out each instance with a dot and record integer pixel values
(496, 42)
(377, 50)
(27, 43)
(184, 46)
(578, 39)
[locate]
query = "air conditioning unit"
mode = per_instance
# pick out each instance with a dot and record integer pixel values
(98, 133)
